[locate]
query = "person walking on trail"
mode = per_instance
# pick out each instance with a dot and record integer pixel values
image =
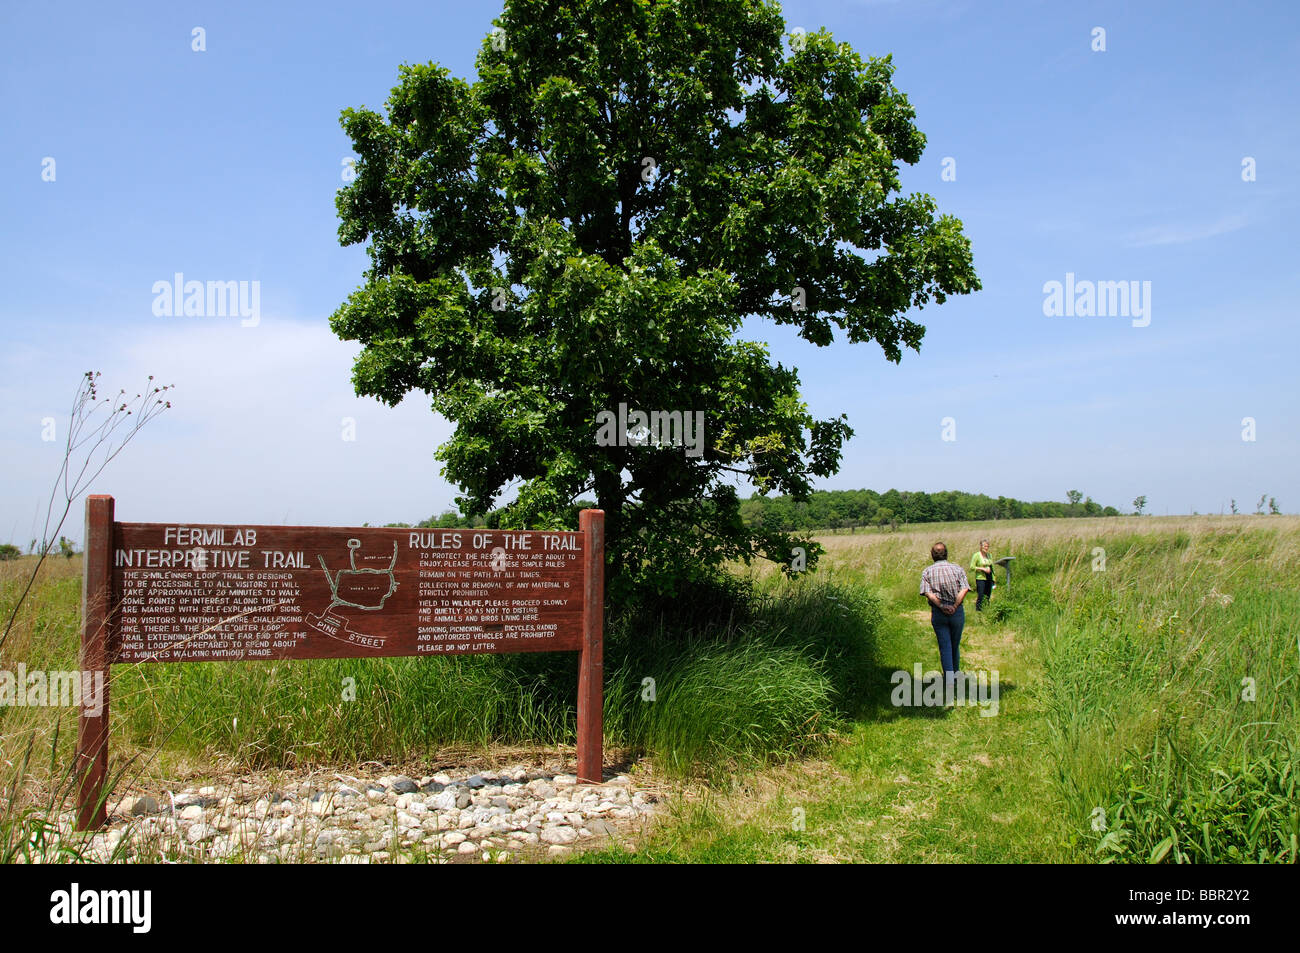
(944, 586)
(982, 565)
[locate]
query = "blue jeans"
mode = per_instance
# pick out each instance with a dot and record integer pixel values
(947, 629)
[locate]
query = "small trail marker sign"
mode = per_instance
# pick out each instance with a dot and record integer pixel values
(172, 592)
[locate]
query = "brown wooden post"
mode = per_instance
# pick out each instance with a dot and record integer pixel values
(591, 663)
(96, 609)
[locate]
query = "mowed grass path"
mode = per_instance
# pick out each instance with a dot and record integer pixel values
(907, 785)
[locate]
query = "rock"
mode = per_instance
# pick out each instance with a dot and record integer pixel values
(192, 813)
(558, 851)
(200, 832)
(463, 800)
(476, 781)
(208, 791)
(469, 847)
(453, 839)
(558, 835)
(139, 806)
(403, 785)
(598, 826)
(445, 801)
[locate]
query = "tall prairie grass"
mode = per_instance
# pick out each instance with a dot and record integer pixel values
(1172, 653)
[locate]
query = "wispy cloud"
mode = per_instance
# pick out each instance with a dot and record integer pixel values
(1181, 234)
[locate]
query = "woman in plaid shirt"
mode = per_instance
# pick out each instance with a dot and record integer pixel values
(945, 585)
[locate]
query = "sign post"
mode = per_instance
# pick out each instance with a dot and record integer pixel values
(1005, 562)
(591, 664)
(164, 592)
(96, 609)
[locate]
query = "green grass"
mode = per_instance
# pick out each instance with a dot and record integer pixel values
(905, 785)
(1149, 709)
(1173, 701)
(1125, 735)
(740, 678)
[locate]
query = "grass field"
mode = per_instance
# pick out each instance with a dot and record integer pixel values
(1147, 670)
(1123, 733)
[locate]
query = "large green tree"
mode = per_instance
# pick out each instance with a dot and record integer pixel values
(589, 223)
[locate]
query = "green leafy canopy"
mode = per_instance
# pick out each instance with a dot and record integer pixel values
(590, 222)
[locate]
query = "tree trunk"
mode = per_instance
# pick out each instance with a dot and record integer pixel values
(610, 498)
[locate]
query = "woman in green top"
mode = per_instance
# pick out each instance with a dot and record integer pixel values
(982, 564)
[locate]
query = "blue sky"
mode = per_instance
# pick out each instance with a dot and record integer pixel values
(1115, 165)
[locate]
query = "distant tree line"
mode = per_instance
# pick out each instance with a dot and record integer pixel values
(850, 509)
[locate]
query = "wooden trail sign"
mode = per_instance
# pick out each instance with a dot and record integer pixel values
(169, 592)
